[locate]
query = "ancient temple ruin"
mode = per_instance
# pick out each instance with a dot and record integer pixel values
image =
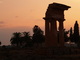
(54, 13)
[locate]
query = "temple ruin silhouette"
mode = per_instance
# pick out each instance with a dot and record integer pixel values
(54, 13)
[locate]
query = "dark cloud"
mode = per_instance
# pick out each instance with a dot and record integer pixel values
(16, 16)
(1, 22)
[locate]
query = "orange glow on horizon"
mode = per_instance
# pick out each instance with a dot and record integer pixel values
(22, 15)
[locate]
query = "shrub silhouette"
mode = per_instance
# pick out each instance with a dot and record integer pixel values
(38, 37)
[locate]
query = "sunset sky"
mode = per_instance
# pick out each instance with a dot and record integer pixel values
(22, 15)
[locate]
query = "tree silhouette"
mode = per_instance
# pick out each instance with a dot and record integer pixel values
(0, 43)
(27, 39)
(76, 32)
(38, 36)
(24, 39)
(66, 38)
(15, 40)
(71, 35)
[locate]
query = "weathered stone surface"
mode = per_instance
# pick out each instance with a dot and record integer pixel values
(55, 12)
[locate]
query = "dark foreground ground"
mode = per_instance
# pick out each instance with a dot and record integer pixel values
(52, 53)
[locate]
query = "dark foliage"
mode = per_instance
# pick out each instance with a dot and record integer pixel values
(15, 40)
(71, 35)
(76, 32)
(25, 40)
(21, 40)
(66, 38)
(0, 43)
(38, 36)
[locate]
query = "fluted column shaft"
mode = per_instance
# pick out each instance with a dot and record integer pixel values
(47, 42)
(61, 33)
(53, 33)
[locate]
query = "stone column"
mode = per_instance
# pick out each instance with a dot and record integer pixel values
(53, 33)
(61, 33)
(47, 33)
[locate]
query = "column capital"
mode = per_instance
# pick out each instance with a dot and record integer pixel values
(49, 18)
(61, 20)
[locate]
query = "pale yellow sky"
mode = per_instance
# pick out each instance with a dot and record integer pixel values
(26, 13)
